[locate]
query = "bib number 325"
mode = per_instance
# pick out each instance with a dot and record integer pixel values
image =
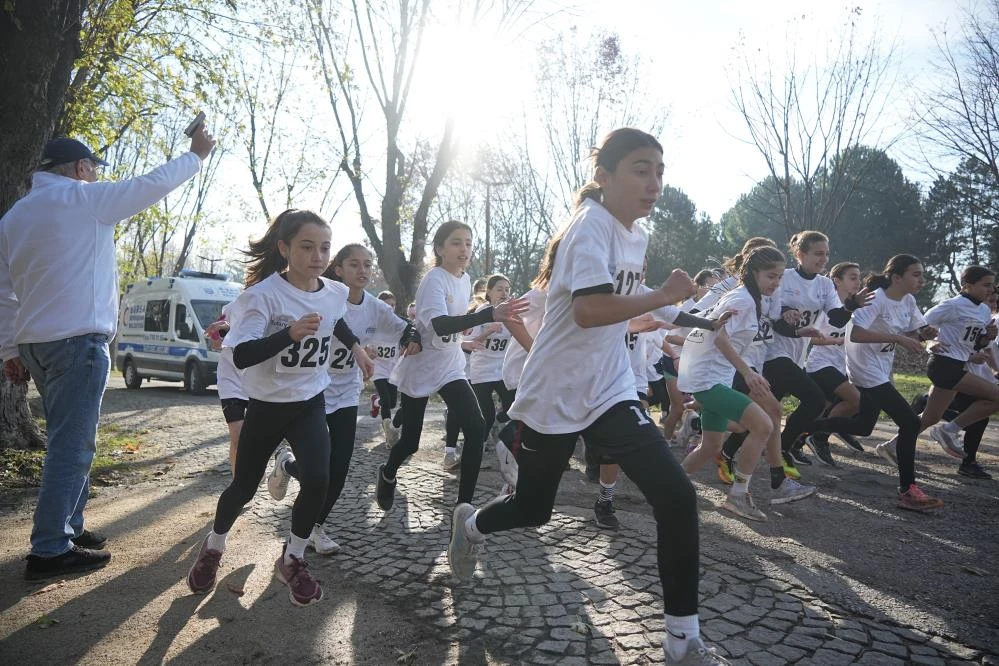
(305, 355)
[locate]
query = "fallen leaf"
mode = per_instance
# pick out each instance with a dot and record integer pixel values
(48, 588)
(235, 589)
(405, 657)
(975, 571)
(205, 514)
(46, 621)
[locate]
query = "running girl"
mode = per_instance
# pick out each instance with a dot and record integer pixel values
(386, 357)
(593, 269)
(806, 295)
(486, 367)
(892, 318)
(281, 337)
(708, 364)
(441, 301)
(229, 381)
(375, 321)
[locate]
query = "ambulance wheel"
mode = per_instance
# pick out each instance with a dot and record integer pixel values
(194, 378)
(132, 378)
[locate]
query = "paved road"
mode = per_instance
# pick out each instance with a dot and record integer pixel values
(569, 593)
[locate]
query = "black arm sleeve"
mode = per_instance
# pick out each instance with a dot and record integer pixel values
(688, 320)
(839, 317)
(782, 327)
(410, 335)
(446, 325)
(344, 334)
(253, 352)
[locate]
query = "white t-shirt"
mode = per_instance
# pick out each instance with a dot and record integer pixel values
(960, 321)
(442, 361)
(486, 364)
(386, 357)
(984, 370)
(809, 297)
(635, 344)
(828, 356)
(370, 320)
(717, 290)
(702, 364)
(300, 371)
(869, 364)
(653, 353)
(513, 361)
(229, 378)
(756, 354)
(573, 374)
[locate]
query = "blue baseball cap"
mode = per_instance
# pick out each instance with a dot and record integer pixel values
(63, 150)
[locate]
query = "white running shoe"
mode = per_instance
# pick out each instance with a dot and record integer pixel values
(277, 482)
(451, 459)
(508, 467)
(741, 504)
(320, 542)
(698, 654)
(947, 441)
(461, 550)
(790, 491)
(887, 450)
(391, 432)
(686, 429)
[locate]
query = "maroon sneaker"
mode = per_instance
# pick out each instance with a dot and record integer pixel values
(201, 577)
(303, 589)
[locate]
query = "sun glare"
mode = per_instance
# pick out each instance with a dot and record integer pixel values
(475, 75)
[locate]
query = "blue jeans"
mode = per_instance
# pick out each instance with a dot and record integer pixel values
(70, 375)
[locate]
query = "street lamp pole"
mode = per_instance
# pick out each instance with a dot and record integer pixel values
(490, 184)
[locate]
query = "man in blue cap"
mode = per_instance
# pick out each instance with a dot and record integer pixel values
(58, 311)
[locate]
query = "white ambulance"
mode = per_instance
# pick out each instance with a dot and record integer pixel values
(161, 331)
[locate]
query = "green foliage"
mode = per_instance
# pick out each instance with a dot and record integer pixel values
(679, 237)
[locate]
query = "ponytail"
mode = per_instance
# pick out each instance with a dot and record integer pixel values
(264, 255)
(590, 191)
(897, 265)
(734, 264)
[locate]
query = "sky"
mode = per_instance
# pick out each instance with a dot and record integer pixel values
(688, 49)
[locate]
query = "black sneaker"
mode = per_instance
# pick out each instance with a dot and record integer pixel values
(800, 456)
(604, 512)
(820, 447)
(74, 560)
(593, 473)
(973, 470)
(91, 540)
(384, 490)
(850, 441)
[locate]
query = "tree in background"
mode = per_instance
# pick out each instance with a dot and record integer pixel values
(800, 116)
(961, 119)
(679, 237)
(39, 40)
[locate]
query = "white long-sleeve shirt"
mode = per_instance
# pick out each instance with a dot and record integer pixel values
(58, 274)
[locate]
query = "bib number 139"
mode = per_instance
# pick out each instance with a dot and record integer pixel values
(304, 355)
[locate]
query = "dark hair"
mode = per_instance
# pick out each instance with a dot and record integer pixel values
(613, 148)
(264, 256)
(494, 278)
(703, 276)
(734, 264)
(973, 274)
(897, 265)
(801, 241)
(762, 258)
(441, 236)
(841, 268)
(341, 256)
(385, 295)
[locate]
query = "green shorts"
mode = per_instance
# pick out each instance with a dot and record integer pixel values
(719, 405)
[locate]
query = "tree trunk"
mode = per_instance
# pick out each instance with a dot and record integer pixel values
(39, 41)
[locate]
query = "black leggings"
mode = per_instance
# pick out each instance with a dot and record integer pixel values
(787, 378)
(462, 406)
(627, 434)
(887, 398)
(484, 394)
(387, 396)
(342, 425)
(303, 424)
